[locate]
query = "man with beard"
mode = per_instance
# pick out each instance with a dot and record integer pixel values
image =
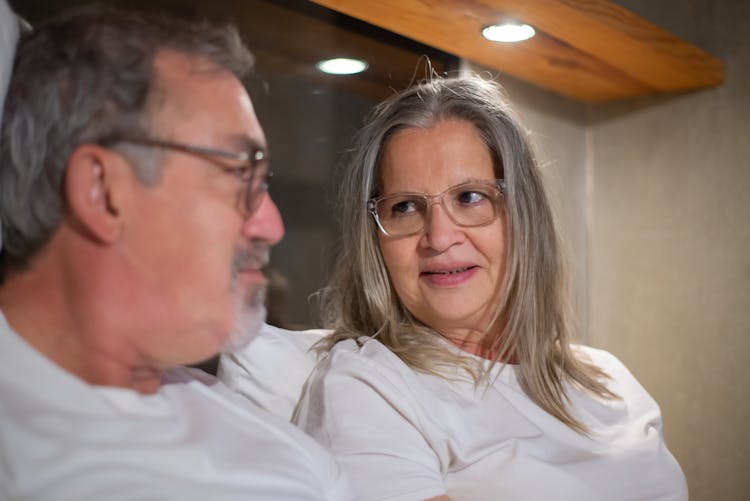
(135, 223)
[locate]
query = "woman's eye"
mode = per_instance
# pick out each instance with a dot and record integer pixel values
(403, 208)
(471, 197)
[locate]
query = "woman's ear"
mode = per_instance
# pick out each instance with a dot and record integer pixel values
(95, 188)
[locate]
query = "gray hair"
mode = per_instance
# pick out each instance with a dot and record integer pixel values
(82, 78)
(361, 301)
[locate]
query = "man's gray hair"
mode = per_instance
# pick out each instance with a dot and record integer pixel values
(9, 27)
(82, 78)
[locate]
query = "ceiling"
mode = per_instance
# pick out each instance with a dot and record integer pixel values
(587, 50)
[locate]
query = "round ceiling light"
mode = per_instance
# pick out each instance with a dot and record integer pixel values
(342, 66)
(508, 32)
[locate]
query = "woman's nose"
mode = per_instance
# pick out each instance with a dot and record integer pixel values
(440, 231)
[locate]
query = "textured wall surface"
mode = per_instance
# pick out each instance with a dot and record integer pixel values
(669, 248)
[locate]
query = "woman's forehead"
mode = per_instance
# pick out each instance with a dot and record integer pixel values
(432, 159)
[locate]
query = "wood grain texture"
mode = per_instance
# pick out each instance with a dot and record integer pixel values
(588, 50)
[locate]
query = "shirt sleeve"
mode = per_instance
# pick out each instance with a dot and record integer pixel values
(365, 415)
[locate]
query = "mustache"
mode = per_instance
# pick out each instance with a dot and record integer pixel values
(254, 257)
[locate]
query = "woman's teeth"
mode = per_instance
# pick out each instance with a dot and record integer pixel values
(449, 272)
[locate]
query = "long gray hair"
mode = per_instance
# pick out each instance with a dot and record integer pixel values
(77, 79)
(361, 301)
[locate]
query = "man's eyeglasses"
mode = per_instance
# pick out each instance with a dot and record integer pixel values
(469, 204)
(251, 168)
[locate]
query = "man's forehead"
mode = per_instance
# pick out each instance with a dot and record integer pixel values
(192, 88)
(172, 64)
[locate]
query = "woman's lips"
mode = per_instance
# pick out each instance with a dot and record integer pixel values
(449, 277)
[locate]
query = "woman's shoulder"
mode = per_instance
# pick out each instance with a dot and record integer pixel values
(599, 357)
(603, 359)
(360, 379)
(620, 380)
(365, 365)
(366, 357)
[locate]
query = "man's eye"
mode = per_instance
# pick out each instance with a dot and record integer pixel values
(244, 173)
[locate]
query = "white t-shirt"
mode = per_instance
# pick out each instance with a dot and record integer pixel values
(64, 439)
(406, 435)
(272, 368)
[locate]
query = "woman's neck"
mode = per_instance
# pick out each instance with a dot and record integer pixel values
(474, 341)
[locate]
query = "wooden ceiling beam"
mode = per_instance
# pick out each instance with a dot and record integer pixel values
(588, 50)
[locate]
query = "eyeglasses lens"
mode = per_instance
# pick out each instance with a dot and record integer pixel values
(256, 186)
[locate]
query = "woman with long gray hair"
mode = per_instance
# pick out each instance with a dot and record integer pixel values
(450, 371)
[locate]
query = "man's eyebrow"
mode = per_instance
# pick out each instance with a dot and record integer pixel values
(248, 144)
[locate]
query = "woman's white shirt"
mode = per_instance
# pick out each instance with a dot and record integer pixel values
(407, 435)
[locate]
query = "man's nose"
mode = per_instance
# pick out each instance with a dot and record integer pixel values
(265, 223)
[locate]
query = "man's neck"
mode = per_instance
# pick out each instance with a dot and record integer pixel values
(58, 316)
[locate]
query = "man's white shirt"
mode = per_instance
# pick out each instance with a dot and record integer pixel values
(64, 439)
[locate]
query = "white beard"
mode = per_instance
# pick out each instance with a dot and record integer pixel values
(250, 314)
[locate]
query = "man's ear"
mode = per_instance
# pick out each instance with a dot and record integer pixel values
(95, 188)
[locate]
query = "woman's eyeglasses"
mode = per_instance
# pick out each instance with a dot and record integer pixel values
(468, 204)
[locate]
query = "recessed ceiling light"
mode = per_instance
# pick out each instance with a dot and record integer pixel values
(342, 66)
(508, 32)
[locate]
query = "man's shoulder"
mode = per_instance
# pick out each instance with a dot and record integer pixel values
(194, 438)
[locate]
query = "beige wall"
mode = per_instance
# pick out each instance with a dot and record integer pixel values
(654, 199)
(669, 254)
